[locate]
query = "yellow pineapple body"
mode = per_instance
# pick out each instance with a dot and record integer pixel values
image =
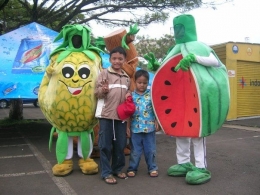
(66, 95)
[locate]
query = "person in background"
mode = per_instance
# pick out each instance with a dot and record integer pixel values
(112, 88)
(143, 127)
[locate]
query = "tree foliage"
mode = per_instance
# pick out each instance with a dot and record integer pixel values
(3, 3)
(159, 47)
(56, 14)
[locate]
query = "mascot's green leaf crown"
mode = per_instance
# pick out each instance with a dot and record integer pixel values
(76, 38)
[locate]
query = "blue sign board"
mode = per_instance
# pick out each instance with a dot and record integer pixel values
(24, 55)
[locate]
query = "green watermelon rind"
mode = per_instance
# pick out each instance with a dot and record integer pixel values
(212, 119)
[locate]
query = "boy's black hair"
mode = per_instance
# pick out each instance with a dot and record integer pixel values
(119, 49)
(140, 73)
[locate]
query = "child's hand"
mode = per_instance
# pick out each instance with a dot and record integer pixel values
(104, 85)
(157, 126)
(128, 132)
(128, 94)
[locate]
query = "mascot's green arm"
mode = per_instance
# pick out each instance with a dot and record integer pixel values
(185, 63)
(153, 63)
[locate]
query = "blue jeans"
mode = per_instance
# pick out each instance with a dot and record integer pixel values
(143, 142)
(109, 147)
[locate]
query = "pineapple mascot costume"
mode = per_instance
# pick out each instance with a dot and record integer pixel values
(190, 95)
(66, 98)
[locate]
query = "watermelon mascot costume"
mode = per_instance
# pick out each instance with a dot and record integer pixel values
(190, 96)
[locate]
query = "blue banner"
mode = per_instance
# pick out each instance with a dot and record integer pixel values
(24, 55)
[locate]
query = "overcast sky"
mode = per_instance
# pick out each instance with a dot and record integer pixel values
(230, 22)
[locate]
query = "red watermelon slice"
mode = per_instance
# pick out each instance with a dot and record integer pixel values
(176, 101)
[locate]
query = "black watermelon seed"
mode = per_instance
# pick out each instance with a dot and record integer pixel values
(164, 97)
(167, 82)
(195, 110)
(190, 123)
(172, 69)
(167, 111)
(173, 124)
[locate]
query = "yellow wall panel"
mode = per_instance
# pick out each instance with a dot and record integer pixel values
(248, 89)
(243, 64)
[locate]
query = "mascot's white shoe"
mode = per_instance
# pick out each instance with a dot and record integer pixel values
(88, 166)
(63, 169)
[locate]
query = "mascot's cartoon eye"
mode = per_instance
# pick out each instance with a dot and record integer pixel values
(84, 71)
(68, 70)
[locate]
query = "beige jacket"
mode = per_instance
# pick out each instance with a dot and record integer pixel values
(119, 85)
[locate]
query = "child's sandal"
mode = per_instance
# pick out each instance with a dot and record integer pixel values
(154, 174)
(131, 174)
(121, 175)
(110, 179)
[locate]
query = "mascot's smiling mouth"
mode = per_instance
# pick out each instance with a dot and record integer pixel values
(75, 90)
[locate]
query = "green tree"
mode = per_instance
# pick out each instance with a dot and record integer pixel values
(3, 3)
(56, 14)
(159, 47)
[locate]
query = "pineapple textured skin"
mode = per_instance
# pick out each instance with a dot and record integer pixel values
(66, 95)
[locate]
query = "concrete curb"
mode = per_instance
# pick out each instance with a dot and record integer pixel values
(242, 127)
